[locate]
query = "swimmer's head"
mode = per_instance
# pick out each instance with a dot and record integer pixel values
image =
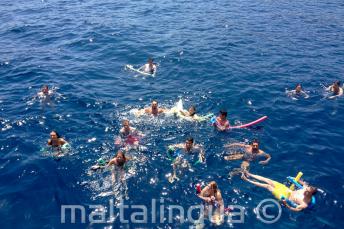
(310, 191)
(255, 144)
(150, 60)
(213, 186)
(120, 158)
(154, 104)
(45, 89)
(192, 110)
(337, 83)
(298, 88)
(125, 124)
(223, 114)
(188, 143)
(54, 135)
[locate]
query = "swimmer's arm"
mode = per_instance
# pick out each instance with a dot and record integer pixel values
(304, 94)
(329, 88)
(202, 195)
(219, 199)
(49, 142)
(111, 162)
(235, 144)
(184, 113)
(162, 110)
(297, 209)
(234, 156)
(63, 141)
(267, 156)
(142, 67)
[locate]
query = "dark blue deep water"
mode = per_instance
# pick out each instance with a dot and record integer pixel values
(239, 55)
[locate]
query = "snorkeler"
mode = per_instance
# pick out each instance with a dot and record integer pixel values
(251, 153)
(180, 153)
(335, 89)
(221, 123)
(302, 197)
(56, 142)
(213, 202)
(149, 67)
(298, 91)
(128, 135)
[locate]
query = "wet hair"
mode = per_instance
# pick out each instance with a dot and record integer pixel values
(57, 134)
(213, 185)
(154, 101)
(150, 59)
(337, 82)
(298, 85)
(194, 108)
(121, 161)
(190, 139)
(223, 112)
(313, 190)
(255, 141)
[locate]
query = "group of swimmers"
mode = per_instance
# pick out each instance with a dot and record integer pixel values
(336, 89)
(129, 138)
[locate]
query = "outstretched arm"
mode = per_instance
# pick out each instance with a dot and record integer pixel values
(297, 209)
(235, 144)
(267, 158)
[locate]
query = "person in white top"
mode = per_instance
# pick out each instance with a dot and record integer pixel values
(149, 67)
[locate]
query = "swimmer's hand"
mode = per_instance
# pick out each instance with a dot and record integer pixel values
(263, 162)
(284, 202)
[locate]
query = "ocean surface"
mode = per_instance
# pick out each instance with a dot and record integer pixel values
(238, 55)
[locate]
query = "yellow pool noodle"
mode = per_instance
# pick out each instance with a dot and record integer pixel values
(297, 178)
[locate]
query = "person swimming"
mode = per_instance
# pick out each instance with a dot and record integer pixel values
(154, 110)
(298, 91)
(118, 162)
(182, 154)
(213, 202)
(150, 67)
(336, 89)
(302, 197)
(251, 153)
(56, 142)
(128, 135)
(191, 112)
(221, 123)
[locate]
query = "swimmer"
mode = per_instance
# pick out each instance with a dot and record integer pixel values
(298, 91)
(45, 92)
(149, 67)
(56, 142)
(118, 162)
(128, 135)
(185, 151)
(189, 113)
(221, 123)
(335, 89)
(213, 202)
(152, 110)
(251, 153)
(301, 197)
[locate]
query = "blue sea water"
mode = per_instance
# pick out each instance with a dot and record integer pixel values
(234, 55)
